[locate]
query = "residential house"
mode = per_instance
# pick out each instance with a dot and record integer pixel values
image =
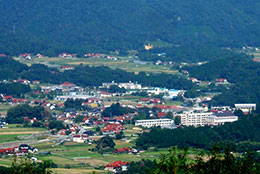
(80, 138)
(117, 166)
(67, 55)
(66, 68)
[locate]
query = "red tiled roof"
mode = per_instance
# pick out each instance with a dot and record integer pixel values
(117, 164)
(67, 84)
(160, 107)
(161, 114)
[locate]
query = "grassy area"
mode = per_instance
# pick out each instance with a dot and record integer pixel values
(76, 171)
(11, 128)
(174, 103)
(4, 108)
(123, 63)
(10, 137)
(14, 130)
(257, 55)
(77, 157)
(6, 161)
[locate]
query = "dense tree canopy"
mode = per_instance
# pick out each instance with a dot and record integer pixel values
(116, 110)
(17, 113)
(14, 89)
(192, 30)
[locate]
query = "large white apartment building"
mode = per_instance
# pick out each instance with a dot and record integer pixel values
(130, 85)
(190, 118)
(154, 122)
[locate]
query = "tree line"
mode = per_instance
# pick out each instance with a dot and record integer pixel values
(216, 161)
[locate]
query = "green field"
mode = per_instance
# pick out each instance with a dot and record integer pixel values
(4, 108)
(77, 157)
(12, 131)
(123, 63)
(256, 55)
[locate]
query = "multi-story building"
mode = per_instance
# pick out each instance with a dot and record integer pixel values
(154, 122)
(190, 118)
(130, 85)
(215, 118)
(222, 117)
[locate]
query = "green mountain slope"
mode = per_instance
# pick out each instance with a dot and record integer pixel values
(98, 25)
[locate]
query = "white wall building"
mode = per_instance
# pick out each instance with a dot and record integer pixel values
(190, 118)
(246, 108)
(154, 122)
(224, 119)
(130, 85)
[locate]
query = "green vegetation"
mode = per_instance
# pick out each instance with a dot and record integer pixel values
(56, 124)
(116, 110)
(104, 144)
(14, 89)
(25, 165)
(242, 135)
(176, 161)
(74, 104)
(190, 29)
(242, 73)
(95, 76)
(17, 113)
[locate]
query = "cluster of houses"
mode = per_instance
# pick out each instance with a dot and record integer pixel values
(117, 166)
(113, 128)
(19, 150)
(29, 56)
(12, 100)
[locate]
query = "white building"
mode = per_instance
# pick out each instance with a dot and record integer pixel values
(80, 138)
(65, 97)
(130, 85)
(207, 118)
(246, 108)
(190, 118)
(157, 91)
(107, 85)
(154, 122)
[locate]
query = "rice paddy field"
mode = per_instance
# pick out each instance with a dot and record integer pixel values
(77, 158)
(13, 132)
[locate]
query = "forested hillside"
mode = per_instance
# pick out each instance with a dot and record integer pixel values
(50, 27)
(241, 72)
